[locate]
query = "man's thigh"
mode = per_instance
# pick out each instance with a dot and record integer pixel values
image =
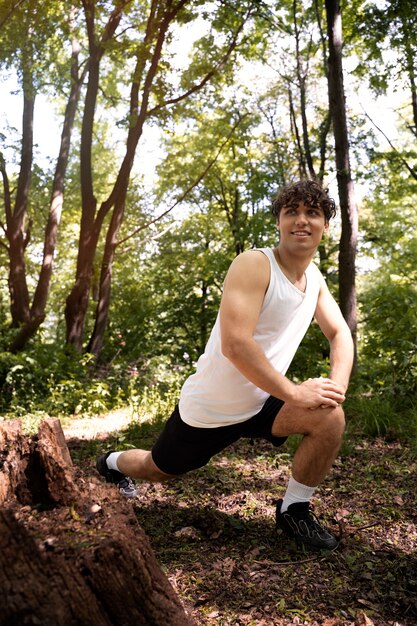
(181, 448)
(294, 420)
(260, 425)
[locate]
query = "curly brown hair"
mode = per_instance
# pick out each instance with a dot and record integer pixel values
(308, 191)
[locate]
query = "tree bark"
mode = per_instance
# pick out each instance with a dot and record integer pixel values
(33, 584)
(16, 234)
(36, 471)
(14, 448)
(71, 551)
(97, 337)
(349, 213)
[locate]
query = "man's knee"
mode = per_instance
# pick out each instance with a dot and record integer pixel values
(331, 423)
(154, 474)
(324, 422)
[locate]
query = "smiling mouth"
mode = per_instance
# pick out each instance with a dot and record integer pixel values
(300, 233)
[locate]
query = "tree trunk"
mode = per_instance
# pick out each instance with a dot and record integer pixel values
(91, 224)
(408, 40)
(76, 305)
(349, 235)
(38, 308)
(325, 126)
(16, 234)
(301, 82)
(71, 550)
(97, 338)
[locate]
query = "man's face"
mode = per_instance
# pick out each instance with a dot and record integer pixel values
(302, 226)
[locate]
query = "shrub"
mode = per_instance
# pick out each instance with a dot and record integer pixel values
(388, 348)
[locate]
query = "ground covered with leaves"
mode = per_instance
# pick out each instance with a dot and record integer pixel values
(213, 534)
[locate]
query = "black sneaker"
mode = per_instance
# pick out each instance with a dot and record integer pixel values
(125, 485)
(302, 525)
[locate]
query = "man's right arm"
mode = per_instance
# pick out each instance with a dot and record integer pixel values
(244, 291)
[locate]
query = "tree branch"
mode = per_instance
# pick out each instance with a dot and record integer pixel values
(6, 190)
(13, 8)
(189, 189)
(411, 170)
(208, 76)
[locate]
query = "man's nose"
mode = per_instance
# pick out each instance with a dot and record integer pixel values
(301, 218)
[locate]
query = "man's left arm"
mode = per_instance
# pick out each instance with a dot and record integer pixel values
(336, 330)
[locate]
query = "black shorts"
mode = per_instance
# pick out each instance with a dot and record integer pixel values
(181, 448)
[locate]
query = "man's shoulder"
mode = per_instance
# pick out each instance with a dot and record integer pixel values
(255, 256)
(314, 270)
(316, 278)
(249, 266)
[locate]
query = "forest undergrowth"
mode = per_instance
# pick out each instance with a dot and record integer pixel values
(213, 534)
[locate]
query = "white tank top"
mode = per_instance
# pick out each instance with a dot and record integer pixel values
(217, 394)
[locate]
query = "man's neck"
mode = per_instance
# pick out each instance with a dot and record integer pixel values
(293, 266)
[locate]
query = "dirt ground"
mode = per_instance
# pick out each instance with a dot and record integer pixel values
(213, 532)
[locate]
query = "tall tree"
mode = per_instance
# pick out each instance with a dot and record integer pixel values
(27, 46)
(348, 207)
(17, 230)
(304, 69)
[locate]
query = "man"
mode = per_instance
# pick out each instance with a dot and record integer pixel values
(240, 389)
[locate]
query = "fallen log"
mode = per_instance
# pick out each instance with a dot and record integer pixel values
(71, 549)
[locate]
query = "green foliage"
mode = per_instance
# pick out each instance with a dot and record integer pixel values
(49, 381)
(388, 297)
(389, 346)
(312, 357)
(382, 416)
(383, 398)
(378, 32)
(190, 272)
(158, 401)
(55, 382)
(17, 381)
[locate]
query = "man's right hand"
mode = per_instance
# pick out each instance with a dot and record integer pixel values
(317, 393)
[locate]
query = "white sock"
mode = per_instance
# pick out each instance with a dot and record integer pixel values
(112, 461)
(296, 492)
